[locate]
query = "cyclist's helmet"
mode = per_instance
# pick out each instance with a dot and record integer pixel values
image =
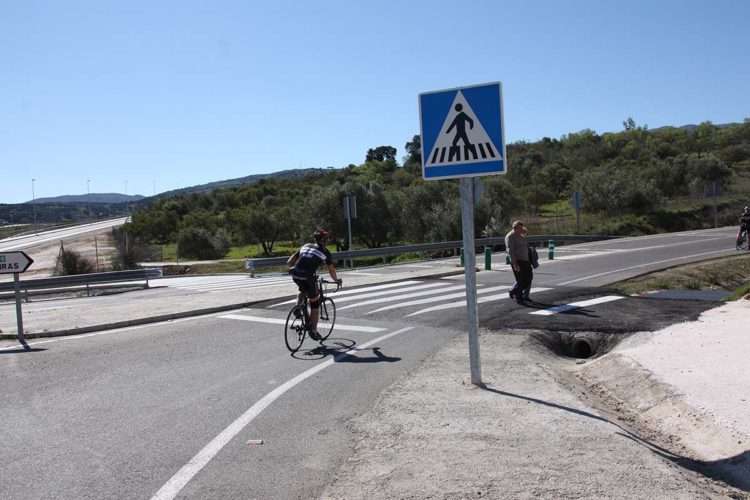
(746, 209)
(321, 236)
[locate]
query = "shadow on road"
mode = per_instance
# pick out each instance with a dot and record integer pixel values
(340, 349)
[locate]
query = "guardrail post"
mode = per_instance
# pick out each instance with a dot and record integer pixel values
(487, 258)
(551, 249)
(461, 253)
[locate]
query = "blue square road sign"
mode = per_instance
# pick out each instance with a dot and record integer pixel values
(463, 133)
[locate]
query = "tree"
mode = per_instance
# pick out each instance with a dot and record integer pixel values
(381, 153)
(413, 150)
(266, 226)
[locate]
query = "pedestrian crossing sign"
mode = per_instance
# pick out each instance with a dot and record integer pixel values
(463, 133)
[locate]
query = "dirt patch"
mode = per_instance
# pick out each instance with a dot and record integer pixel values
(98, 248)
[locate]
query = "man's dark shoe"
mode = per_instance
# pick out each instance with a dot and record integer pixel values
(315, 336)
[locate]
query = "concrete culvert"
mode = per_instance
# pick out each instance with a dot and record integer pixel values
(582, 348)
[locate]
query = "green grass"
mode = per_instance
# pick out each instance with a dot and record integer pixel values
(730, 274)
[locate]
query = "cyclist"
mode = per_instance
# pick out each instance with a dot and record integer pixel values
(744, 224)
(303, 265)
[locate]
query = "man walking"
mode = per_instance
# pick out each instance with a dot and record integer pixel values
(518, 251)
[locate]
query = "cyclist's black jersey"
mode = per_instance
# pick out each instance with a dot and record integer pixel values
(745, 221)
(309, 258)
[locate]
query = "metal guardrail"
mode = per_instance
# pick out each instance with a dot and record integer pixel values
(253, 264)
(79, 282)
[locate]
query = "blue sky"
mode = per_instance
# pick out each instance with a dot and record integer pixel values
(156, 95)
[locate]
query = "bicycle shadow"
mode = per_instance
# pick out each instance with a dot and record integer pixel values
(341, 351)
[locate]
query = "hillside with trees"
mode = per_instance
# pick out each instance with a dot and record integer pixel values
(636, 181)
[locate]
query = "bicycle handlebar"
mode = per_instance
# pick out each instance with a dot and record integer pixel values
(338, 285)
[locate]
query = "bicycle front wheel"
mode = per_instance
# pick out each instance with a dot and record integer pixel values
(327, 315)
(744, 240)
(295, 329)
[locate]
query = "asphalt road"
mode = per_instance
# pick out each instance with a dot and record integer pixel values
(172, 407)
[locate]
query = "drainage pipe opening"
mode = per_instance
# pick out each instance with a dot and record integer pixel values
(581, 348)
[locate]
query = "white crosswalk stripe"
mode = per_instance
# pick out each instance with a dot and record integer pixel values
(402, 296)
(430, 300)
(220, 283)
(577, 305)
(480, 300)
(338, 296)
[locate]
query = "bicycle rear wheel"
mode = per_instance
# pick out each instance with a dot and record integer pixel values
(327, 314)
(744, 240)
(295, 329)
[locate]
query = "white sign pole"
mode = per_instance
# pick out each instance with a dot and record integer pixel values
(467, 223)
(19, 314)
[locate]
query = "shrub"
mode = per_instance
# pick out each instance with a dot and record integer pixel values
(200, 243)
(70, 262)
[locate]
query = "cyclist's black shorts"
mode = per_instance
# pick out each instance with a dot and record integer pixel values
(306, 283)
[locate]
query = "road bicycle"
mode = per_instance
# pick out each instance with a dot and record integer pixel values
(743, 241)
(298, 324)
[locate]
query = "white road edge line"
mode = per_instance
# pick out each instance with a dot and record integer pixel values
(104, 332)
(576, 305)
(259, 319)
(173, 487)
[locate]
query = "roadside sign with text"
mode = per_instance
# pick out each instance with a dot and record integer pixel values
(14, 262)
(463, 134)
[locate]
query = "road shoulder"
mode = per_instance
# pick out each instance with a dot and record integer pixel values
(684, 387)
(434, 435)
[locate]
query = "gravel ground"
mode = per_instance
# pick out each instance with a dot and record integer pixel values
(529, 433)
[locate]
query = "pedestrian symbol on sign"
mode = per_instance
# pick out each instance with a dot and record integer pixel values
(459, 143)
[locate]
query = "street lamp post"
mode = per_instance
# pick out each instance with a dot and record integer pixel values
(33, 201)
(88, 195)
(127, 202)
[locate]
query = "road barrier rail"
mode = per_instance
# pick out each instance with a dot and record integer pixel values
(79, 282)
(423, 248)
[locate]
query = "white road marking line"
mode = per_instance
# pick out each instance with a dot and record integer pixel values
(440, 298)
(103, 332)
(173, 487)
(421, 293)
(365, 292)
(360, 290)
(644, 265)
(259, 319)
(480, 300)
(577, 305)
(360, 273)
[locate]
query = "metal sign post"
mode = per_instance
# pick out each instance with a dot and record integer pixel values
(16, 263)
(467, 224)
(350, 212)
(463, 136)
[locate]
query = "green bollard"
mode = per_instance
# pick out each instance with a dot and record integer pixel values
(487, 258)
(507, 258)
(462, 258)
(551, 251)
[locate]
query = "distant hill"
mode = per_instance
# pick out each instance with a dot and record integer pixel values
(242, 181)
(100, 198)
(92, 198)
